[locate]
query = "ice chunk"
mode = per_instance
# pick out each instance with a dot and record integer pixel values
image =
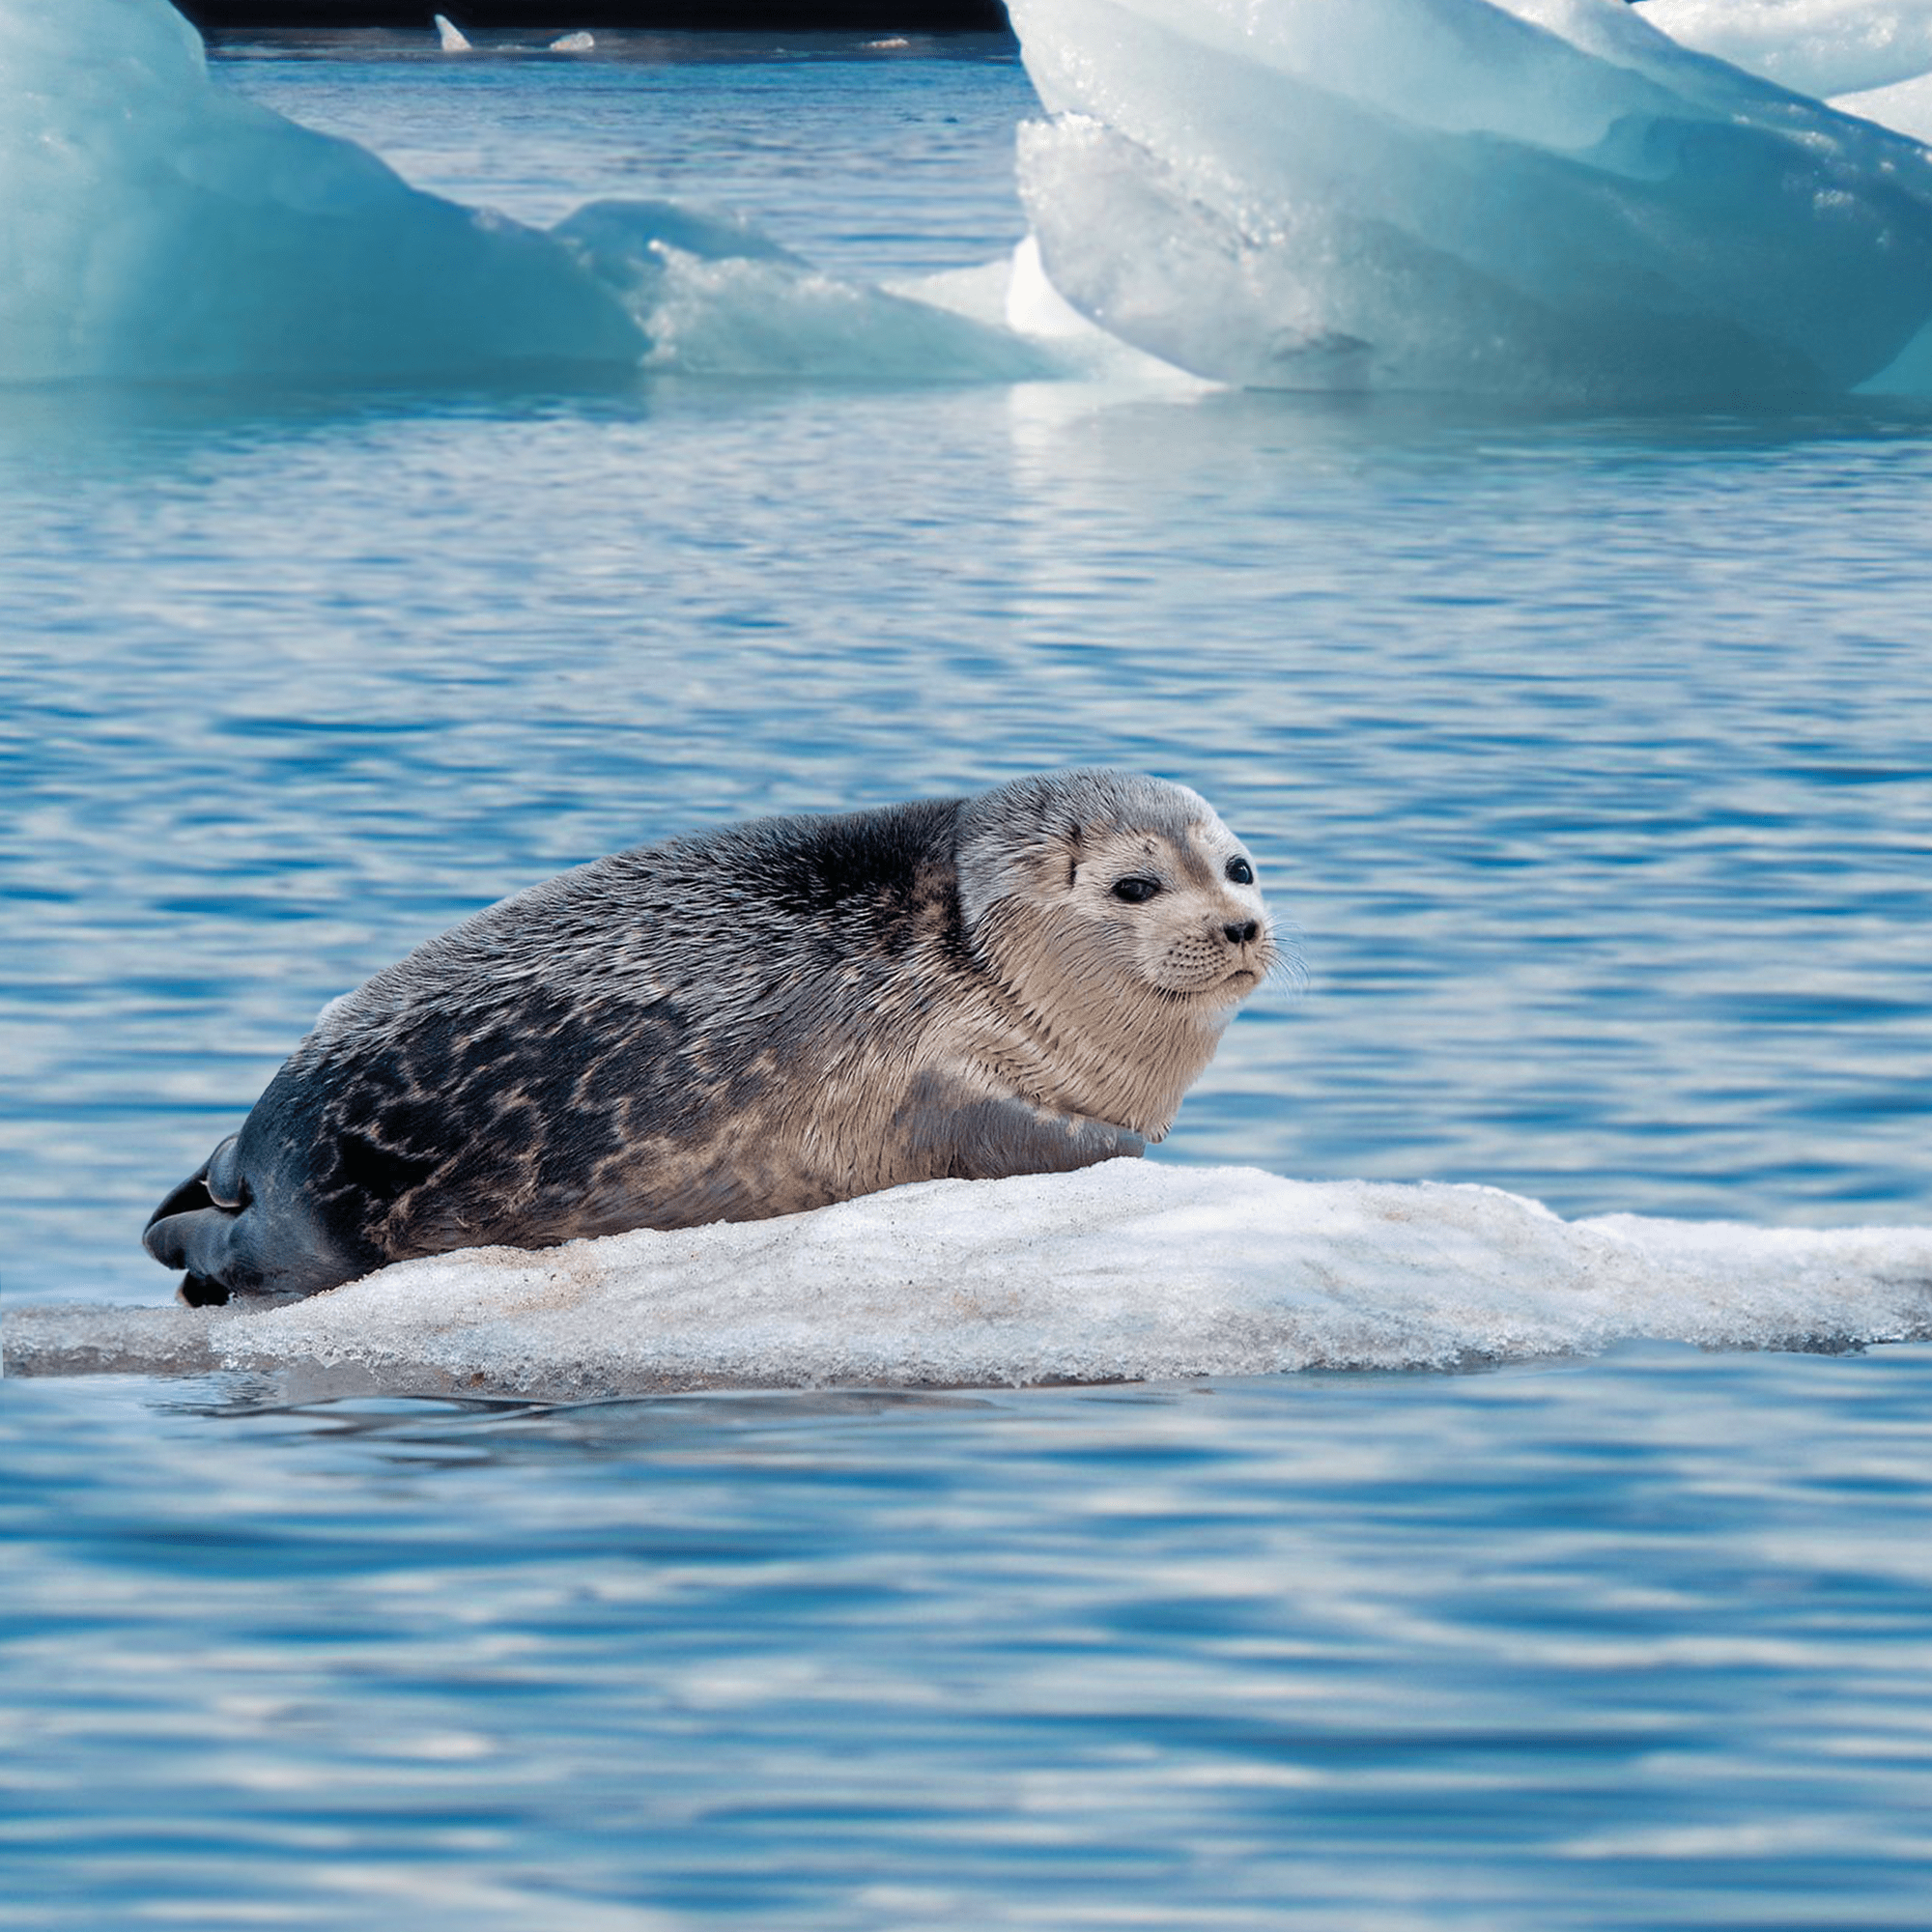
(451, 36)
(1905, 107)
(1550, 199)
(573, 43)
(1130, 1269)
(157, 225)
(1817, 46)
(716, 297)
(1874, 60)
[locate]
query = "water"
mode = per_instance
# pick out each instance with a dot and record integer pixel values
(1590, 758)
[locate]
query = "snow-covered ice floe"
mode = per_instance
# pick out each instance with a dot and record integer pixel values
(1550, 200)
(1129, 1270)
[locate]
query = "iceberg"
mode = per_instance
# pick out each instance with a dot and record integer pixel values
(155, 226)
(1867, 58)
(1127, 1272)
(1823, 47)
(1548, 199)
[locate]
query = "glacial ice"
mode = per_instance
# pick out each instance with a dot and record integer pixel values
(156, 226)
(1867, 57)
(1134, 1270)
(1823, 47)
(1548, 199)
(716, 297)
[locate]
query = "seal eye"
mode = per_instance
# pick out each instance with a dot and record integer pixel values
(1136, 891)
(1241, 871)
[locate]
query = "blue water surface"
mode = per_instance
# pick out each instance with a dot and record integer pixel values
(1591, 760)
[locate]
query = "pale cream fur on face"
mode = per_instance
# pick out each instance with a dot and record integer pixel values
(1178, 937)
(1124, 936)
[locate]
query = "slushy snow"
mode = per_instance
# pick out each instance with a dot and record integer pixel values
(1128, 1271)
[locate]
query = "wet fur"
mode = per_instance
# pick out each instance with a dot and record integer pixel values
(741, 1024)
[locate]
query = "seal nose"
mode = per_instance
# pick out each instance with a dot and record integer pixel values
(1239, 935)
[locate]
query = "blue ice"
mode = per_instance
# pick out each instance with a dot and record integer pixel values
(1544, 199)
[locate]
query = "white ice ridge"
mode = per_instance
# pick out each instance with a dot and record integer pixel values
(1128, 1271)
(1544, 198)
(1868, 58)
(1822, 48)
(156, 226)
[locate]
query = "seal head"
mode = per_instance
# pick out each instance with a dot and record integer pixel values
(747, 1023)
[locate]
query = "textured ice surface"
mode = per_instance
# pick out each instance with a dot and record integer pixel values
(1817, 46)
(1872, 60)
(154, 225)
(716, 297)
(1125, 1270)
(1550, 199)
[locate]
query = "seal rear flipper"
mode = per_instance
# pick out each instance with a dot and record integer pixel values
(202, 1243)
(192, 1193)
(215, 1183)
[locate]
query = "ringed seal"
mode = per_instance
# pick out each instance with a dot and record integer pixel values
(744, 1023)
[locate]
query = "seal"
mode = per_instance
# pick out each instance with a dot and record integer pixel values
(744, 1023)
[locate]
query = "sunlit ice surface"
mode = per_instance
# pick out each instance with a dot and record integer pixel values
(1539, 200)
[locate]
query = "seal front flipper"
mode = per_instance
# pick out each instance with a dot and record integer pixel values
(951, 1137)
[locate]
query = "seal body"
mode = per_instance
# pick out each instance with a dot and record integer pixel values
(747, 1023)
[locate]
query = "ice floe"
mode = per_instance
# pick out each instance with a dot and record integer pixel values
(1129, 1270)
